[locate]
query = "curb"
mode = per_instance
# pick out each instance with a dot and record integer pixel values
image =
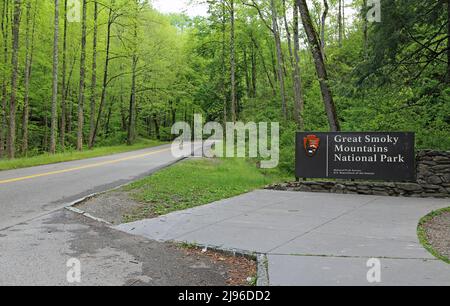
(263, 271)
(71, 206)
(261, 259)
(85, 214)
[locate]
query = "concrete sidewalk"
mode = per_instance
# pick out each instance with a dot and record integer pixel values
(312, 239)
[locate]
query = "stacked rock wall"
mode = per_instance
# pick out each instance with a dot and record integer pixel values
(433, 180)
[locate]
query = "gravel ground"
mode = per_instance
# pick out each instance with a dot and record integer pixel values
(438, 233)
(112, 206)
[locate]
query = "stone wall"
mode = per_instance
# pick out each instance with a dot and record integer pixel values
(433, 180)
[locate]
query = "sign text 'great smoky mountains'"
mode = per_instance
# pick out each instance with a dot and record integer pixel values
(372, 156)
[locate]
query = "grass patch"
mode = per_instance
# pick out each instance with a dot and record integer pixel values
(196, 182)
(46, 159)
(422, 233)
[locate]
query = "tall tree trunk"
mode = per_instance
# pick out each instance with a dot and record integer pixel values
(300, 105)
(27, 74)
(45, 140)
(280, 62)
(246, 71)
(224, 68)
(132, 110)
(263, 62)
(322, 74)
(63, 82)
(254, 71)
(233, 63)
(108, 119)
(173, 112)
(340, 25)
(448, 41)
(94, 79)
(69, 111)
(323, 27)
(157, 129)
(123, 111)
(273, 62)
(68, 92)
(54, 123)
(105, 76)
(343, 19)
(14, 78)
(295, 69)
(3, 110)
(365, 30)
(82, 80)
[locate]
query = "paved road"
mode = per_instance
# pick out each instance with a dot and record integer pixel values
(32, 192)
(37, 238)
(36, 253)
(313, 238)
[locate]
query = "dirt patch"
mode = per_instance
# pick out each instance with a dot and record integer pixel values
(437, 230)
(241, 271)
(111, 206)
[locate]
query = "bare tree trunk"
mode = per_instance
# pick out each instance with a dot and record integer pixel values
(288, 34)
(294, 60)
(63, 82)
(365, 30)
(448, 41)
(263, 62)
(273, 62)
(323, 27)
(14, 78)
(340, 30)
(45, 140)
(54, 119)
(246, 71)
(108, 118)
(343, 20)
(233, 63)
(123, 115)
(254, 72)
(69, 112)
(27, 75)
(300, 103)
(224, 68)
(157, 129)
(132, 110)
(105, 76)
(82, 80)
(94, 79)
(322, 74)
(280, 62)
(3, 111)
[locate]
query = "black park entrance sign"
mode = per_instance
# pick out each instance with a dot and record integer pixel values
(368, 156)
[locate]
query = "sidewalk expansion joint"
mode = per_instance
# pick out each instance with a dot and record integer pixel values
(323, 224)
(352, 256)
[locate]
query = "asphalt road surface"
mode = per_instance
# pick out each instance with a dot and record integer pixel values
(26, 194)
(38, 237)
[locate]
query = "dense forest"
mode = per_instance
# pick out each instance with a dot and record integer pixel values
(121, 70)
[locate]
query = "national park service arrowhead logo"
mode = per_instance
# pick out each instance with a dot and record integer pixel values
(312, 144)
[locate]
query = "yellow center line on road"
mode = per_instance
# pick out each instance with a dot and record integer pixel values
(115, 161)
